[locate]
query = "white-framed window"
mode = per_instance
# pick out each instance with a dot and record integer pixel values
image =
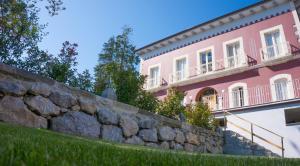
(234, 53)
(282, 87)
(273, 43)
(292, 116)
(180, 68)
(205, 60)
(238, 95)
(153, 76)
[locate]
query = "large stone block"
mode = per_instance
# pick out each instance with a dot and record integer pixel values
(147, 123)
(129, 126)
(166, 133)
(63, 99)
(77, 123)
(189, 147)
(40, 89)
(88, 105)
(106, 116)
(180, 138)
(192, 138)
(135, 141)
(164, 145)
(149, 135)
(42, 106)
(11, 87)
(13, 110)
(178, 147)
(112, 133)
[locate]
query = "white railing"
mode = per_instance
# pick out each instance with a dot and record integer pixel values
(228, 63)
(275, 51)
(178, 76)
(237, 61)
(210, 68)
(153, 83)
(258, 95)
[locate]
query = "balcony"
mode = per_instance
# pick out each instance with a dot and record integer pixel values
(239, 63)
(220, 68)
(258, 95)
(178, 76)
(277, 53)
(152, 83)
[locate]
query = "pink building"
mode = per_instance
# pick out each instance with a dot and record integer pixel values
(246, 62)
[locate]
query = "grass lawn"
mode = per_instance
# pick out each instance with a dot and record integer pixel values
(26, 146)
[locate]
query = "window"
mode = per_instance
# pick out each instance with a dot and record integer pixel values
(273, 43)
(282, 87)
(234, 53)
(180, 72)
(154, 76)
(292, 116)
(238, 95)
(205, 61)
(221, 122)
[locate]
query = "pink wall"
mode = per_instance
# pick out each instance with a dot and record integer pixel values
(252, 45)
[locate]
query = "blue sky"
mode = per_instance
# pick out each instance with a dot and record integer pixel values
(90, 23)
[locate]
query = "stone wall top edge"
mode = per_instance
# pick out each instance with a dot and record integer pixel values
(31, 77)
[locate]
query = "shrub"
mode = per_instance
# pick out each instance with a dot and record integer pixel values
(146, 101)
(171, 106)
(199, 114)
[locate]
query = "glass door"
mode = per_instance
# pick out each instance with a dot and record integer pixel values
(233, 51)
(205, 62)
(274, 46)
(154, 77)
(180, 69)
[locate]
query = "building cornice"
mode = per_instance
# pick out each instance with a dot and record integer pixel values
(206, 26)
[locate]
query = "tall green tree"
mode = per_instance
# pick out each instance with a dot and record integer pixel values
(20, 31)
(37, 61)
(116, 65)
(83, 81)
(62, 68)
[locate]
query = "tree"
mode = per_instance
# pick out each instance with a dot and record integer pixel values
(83, 81)
(116, 65)
(62, 68)
(172, 105)
(37, 61)
(20, 31)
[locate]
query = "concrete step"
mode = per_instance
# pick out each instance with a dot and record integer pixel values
(236, 144)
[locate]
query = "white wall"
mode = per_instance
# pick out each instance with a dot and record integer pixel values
(271, 118)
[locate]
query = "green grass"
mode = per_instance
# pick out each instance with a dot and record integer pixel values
(26, 146)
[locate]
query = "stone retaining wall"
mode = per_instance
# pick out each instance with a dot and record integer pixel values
(34, 101)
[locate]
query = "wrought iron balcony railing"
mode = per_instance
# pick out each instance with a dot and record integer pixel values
(275, 51)
(259, 95)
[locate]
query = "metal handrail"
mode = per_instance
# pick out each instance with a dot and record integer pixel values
(253, 124)
(254, 134)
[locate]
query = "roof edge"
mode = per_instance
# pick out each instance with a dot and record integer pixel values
(202, 24)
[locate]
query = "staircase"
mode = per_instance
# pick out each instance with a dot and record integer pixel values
(236, 144)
